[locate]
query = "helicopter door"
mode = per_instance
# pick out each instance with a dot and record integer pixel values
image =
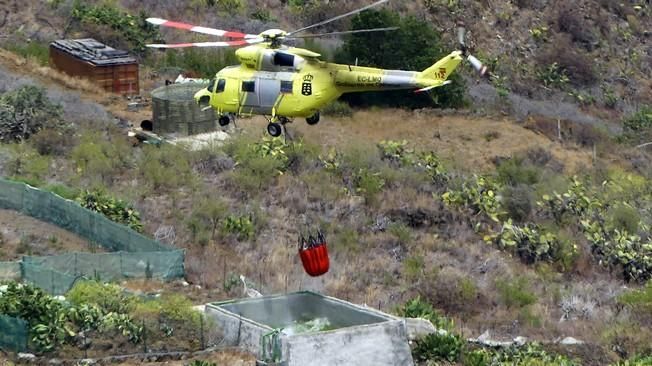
(268, 92)
(249, 98)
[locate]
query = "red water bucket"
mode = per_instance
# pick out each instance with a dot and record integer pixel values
(315, 260)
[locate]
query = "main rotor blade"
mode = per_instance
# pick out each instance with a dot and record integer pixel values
(198, 29)
(338, 17)
(238, 43)
(345, 32)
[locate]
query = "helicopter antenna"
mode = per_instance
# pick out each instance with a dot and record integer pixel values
(338, 17)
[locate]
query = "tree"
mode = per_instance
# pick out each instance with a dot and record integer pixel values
(414, 46)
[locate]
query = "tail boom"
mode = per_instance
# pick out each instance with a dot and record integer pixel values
(359, 79)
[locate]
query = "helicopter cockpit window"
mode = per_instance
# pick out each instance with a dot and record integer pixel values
(221, 84)
(211, 85)
(286, 86)
(249, 86)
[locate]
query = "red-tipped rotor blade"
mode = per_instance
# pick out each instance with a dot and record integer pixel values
(198, 29)
(238, 43)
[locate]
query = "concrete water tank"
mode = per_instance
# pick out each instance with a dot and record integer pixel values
(175, 111)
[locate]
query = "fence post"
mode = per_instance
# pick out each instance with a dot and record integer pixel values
(144, 337)
(52, 282)
(201, 328)
(122, 273)
(75, 264)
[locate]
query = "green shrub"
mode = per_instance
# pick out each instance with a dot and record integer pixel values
(514, 172)
(553, 76)
(515, 292)
(132, 28)
(167, 167)
(337, 108)
(99, 157)
(31, 50)
(639, 299)
(638, 127)
(240, 226)
(27, 165)
(346, 240)
(413, 267)
(417, 308)
(624, 217)
(518, 202)
(50, 141)
(109, 297)
(25, 111)
(63, 191)
(368, 184)
(201, 62)
(114, 209)
(480, 195)
(439, 346)
(401, 232)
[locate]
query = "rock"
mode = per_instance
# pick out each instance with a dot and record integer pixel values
(484, 336)
(418, 327)
(185, 284)
(26, 357)
(570, 341)
(88, 361)
(520, 341)
(55, 361)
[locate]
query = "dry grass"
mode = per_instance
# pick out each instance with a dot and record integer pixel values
(460, 140)
(22, 235)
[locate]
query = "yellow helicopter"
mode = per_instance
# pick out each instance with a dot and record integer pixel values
(283, 82)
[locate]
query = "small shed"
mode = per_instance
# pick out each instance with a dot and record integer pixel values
(110, 69)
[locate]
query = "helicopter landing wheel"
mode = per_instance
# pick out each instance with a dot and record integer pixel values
(313, 120)
(224, 120)
(274, 129)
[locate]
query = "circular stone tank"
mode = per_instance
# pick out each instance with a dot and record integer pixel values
(175, 110)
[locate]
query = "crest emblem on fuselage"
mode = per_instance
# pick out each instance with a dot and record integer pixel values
(306, 87)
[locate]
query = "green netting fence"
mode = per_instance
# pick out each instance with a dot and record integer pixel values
(133, 255)
(112, 266)
(13, 333)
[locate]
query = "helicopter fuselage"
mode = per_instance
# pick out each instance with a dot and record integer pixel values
(293, 82)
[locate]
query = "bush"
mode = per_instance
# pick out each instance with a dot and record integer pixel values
(639, 299)
(25, 111)
(624, 217)
(98, 157)
(38, 51)
(167, 167)
(109, 297)
(515, 292)
(518, 202)
(27, 166)
(50, 141)
(439, 346)
(114, 209)
(638, 127)
(133, 29)
(337, 108)
(561, 59)
(514, 172)
(240, 226)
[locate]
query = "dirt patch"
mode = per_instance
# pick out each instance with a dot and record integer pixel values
(23, 235)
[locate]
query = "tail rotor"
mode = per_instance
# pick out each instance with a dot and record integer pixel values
(475, 63)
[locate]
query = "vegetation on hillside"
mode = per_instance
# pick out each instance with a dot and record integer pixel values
(94, 313)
